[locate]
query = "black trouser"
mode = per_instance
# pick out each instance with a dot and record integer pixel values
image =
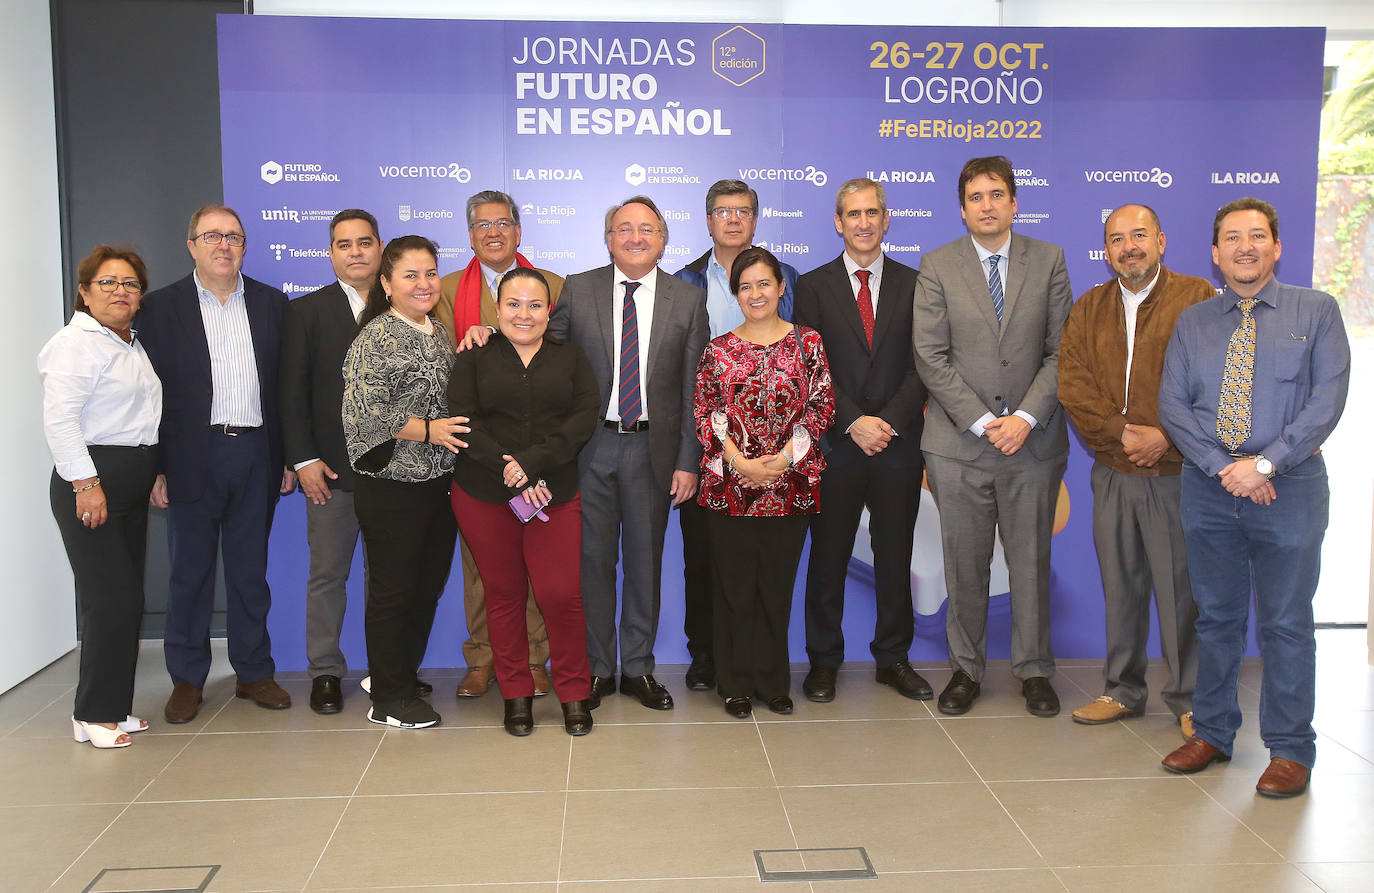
(409, 534)
(698, 590)
(754, 568)
(107, 563)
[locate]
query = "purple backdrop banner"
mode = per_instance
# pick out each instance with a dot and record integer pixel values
(407, 118)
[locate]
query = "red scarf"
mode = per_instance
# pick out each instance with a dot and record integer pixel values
(467, 301)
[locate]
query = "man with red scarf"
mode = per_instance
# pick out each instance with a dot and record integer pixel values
(467, 302)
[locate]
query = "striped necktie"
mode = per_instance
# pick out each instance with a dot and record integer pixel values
(629, 358)
(995, 285)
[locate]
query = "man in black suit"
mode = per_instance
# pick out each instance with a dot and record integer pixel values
(861, 304)
(214, 339)
(643, 332)
(319, 328)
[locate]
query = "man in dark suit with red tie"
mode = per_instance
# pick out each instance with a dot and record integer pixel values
(214, 339)
(319, 328)
(861, 304)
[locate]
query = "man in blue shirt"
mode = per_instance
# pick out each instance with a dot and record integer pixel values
(1254, 381)
(732, 212)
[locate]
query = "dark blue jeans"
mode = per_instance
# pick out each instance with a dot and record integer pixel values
(1234, 545)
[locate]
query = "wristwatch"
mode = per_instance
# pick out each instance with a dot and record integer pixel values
(1264, 466)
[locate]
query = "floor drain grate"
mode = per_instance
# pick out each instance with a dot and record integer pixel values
(162, 879)
(843, 863)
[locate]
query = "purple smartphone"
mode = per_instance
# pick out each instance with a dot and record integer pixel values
(526, 510)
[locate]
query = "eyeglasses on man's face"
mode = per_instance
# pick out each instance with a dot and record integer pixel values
(727, 213)
(486, 226)
(625, 231)
(233, 240)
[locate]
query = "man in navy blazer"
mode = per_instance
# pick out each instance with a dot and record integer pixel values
(319, 328)
(860, 302)
(214, 340)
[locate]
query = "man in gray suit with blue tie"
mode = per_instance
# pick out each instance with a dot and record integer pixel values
(988, 311)
(643, 332)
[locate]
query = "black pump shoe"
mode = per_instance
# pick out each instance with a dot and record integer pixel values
(577, 718)
(519, 716)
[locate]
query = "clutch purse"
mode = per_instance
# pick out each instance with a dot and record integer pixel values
(525, 511)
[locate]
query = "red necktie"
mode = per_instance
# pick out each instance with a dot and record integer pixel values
(865, 305)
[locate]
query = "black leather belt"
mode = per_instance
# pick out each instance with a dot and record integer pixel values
(633, 428)
(234, 430)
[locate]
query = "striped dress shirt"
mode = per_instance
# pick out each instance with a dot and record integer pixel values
(237, 397)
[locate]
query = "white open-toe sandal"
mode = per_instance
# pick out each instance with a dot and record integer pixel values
(132, 723)
(98, 735)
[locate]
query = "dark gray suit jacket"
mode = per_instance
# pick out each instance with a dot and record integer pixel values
(970, 364)
(319, 329)
(583, 314)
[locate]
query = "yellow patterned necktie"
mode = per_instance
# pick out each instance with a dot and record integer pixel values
(1237, 380)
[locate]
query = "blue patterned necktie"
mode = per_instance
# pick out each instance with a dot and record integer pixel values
(995, 285)
(629, 358)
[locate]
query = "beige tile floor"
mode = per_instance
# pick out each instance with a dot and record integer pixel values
(679, 801)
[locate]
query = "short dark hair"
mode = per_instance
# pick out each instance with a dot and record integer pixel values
(1249, 203)
(638, 200)
(354, 214)
(377, 303)
(210, 209)
(519, 272)
(997, 166)
(91, 263)
(746, 259)
(492, 197)
(730, 187)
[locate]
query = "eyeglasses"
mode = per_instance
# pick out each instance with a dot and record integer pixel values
(234, 240)
(727, 213)
(626, 231)
(483, 226)
(110, 286)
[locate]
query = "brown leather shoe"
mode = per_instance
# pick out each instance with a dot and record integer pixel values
(183, 705)
(1283, 778)
(1103, 710)
(1194, 756)
(475, 683)
(265, 693)
(542, 686)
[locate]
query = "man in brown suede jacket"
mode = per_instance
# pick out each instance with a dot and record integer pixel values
(1111, 357)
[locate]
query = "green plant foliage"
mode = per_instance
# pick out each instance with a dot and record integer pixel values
(1349, 111)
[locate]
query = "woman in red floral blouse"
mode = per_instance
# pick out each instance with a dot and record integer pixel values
(763, 398)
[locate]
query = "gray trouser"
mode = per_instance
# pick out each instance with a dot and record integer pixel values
(332, 532)
(979, 498)
(624, 514)
(1139, 539)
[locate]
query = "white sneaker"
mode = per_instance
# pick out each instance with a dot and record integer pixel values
(366, 684)
(411, 713)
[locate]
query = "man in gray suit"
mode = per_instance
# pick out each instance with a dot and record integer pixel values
(988, 311)
(644, 332)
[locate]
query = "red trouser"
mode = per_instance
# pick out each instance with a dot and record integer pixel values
(547, 554)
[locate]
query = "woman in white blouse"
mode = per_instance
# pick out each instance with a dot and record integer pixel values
(102, 404)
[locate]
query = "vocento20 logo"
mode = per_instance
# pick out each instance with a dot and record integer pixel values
(808, 174)
(1161, 178)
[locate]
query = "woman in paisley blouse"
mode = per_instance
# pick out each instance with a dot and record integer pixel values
(402, 442)
(763, 398)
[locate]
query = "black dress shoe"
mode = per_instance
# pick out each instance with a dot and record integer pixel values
(577, 718)
(701, 675)
(519, 716)
(739, 708)
(908, 682)
(601, 686)
(959, 694)
(648, 690)
(780, 704)
(819, 684)
(326, 695)
(1040, 697)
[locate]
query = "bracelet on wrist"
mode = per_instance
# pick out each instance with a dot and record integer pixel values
(95, 482)
(731, 464)
(426, 430)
